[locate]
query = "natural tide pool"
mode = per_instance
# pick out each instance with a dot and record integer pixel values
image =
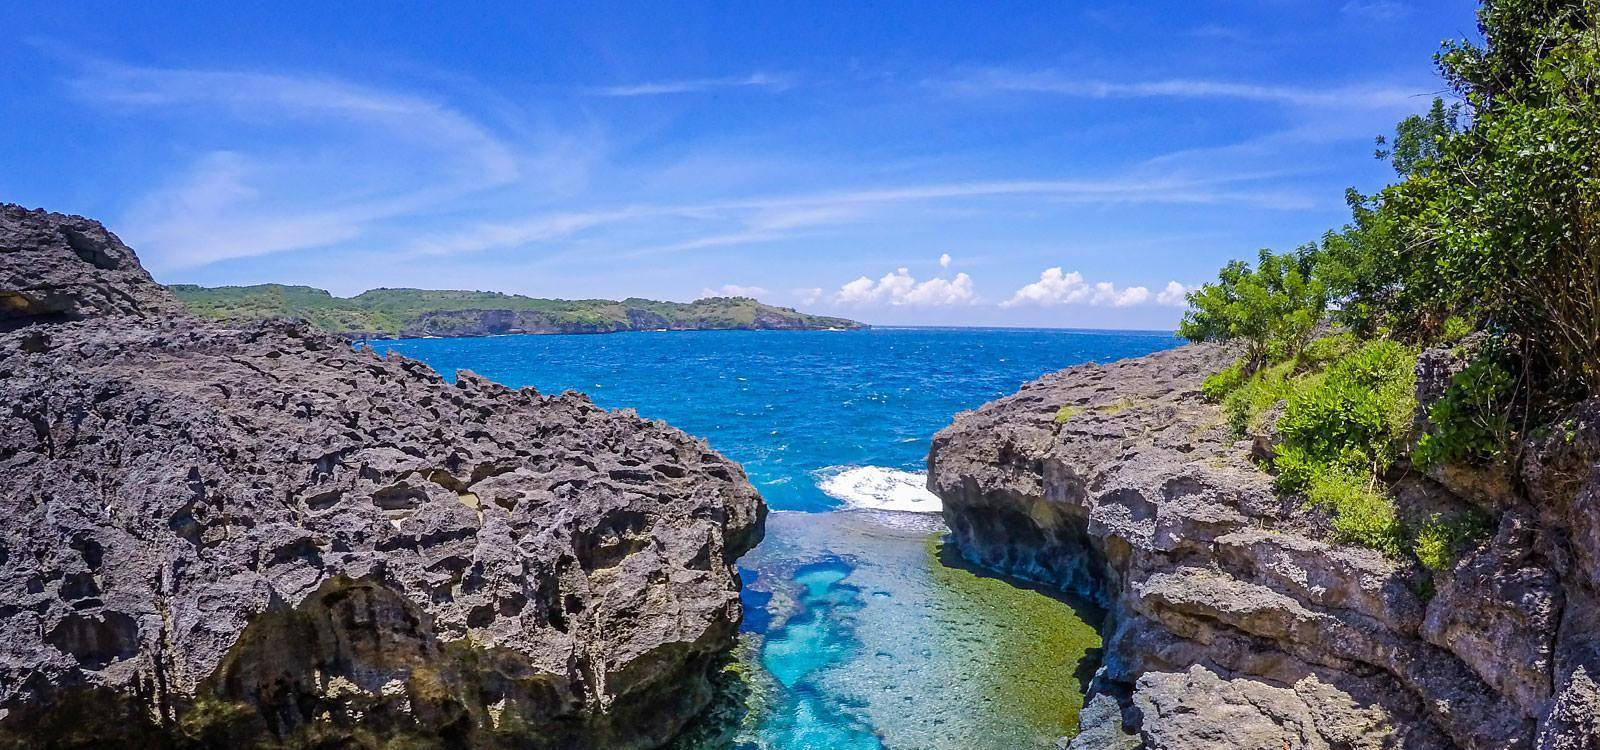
(875, 636)
(862, 630)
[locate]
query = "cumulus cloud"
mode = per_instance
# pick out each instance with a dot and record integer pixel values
(1058, 287)
(1107, 293)
(901, 288)
(733, 290)
(809, 295)
(1052, 288)
(1175, 295)
(942, 292)
(944, 260)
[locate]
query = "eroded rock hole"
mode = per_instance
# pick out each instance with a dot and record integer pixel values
(96, 640)
(619, 534)
(92, 251)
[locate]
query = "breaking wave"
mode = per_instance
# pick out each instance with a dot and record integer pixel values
(879, 488)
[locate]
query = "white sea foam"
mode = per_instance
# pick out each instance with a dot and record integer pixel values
(879, 488)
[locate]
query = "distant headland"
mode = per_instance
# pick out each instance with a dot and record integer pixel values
(415, 313)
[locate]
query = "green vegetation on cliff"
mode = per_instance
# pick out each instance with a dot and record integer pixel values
(422, 312)
(1489, 241)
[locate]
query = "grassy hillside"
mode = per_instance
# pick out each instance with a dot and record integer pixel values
(396, 312)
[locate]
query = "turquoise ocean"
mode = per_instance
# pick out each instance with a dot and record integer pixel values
(861, 629)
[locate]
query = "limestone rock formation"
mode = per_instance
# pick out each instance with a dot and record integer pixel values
(56, 268)
(262, 537)
(1232, 623)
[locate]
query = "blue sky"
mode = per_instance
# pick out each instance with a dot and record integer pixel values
(990, 163)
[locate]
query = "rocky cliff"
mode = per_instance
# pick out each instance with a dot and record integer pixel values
(1232, 623)
(258, 536)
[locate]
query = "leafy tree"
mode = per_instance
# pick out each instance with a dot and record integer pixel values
(1493, 225)
(1497, 222)
(1273, 307)
(1418, 137)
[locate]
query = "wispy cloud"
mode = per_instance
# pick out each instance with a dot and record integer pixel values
(766, 81)
(734, 290)
(1377, 10)
(304, 98)
(997, 81)
(763, 219)
(299, 161)
(1222, 32)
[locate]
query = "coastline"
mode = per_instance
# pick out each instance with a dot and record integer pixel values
(359, 336)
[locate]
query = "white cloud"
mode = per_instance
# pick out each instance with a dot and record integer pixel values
(955, 291)
(808, 296)
(697, 85)
(1368, 96)
(734, 290)
(363, 155)
(1052, 288)
(858, 292)
(944, 260)
(1377, 10)
(1175, 295)
(262, 95)
(900, 288)
(760, 219)
(1219, 31)
(1107, 293)
(1056, 287)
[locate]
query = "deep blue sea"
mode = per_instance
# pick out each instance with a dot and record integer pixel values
(855, 636)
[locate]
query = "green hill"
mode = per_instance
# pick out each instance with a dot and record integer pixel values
(389, 313)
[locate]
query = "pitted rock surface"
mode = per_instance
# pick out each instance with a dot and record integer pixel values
(55, 267)
(262, 537)
(1232, 622)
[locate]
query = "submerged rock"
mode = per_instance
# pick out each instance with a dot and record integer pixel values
(260, 536)
(1232, 623)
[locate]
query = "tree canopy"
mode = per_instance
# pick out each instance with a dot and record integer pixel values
(1493, 224)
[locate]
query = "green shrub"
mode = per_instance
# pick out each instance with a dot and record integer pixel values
(1454, 328)
(1272, 308)
(1471, 420)
(1441, 539)
(1245, 405)
(1326, 349)
(1354, 417)
(1066, 412)
(1361, 513)
(1296, 467)
(1218, 386)
(1433, 546)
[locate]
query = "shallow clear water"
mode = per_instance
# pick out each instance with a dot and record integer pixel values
(861, 631)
